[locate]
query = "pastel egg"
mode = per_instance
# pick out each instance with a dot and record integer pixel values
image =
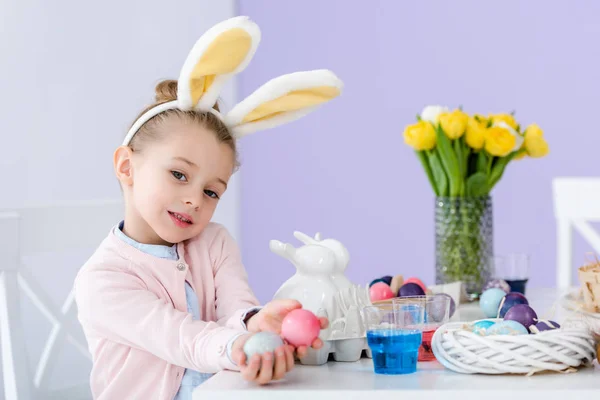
(481, 327)
(300, 327)
(544, 325)
(511, 300)
(418, 282)
(507, 328)
(410, 289)
(262, 342)
(490, 301)
(497, 283)
(523, 314)
(380, 291)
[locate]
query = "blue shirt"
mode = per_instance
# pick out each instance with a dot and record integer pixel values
(191, 379)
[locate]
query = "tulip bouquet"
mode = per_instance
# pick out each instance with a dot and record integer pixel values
(464, 156)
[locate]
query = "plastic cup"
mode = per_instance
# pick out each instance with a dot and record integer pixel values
(436, 314)
(394, 336)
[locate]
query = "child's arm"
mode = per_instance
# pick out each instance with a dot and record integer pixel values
(233, 294)
(117, 305)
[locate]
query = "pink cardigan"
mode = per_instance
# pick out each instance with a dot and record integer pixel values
(132, 307)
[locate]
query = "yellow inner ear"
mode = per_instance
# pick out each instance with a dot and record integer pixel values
(292, 101)
(222, 56)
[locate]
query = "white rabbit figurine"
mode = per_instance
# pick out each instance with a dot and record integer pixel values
(311, 285)
(320, 285)
(342, 257)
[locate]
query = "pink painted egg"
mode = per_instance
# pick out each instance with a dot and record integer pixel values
(380, 291)
(300, 327)
(418, 282)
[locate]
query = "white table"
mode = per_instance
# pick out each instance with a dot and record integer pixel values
(344, 381)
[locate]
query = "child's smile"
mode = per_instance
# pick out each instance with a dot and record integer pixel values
(181, 220)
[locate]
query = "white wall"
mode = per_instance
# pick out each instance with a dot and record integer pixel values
(73, 75)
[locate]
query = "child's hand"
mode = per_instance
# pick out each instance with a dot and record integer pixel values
(263, 368)
(271, 316)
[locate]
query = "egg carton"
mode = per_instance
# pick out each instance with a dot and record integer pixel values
(346, 338)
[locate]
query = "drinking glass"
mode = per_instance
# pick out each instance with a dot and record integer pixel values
(394, 336)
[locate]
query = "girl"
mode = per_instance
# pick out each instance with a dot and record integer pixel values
(164, 301)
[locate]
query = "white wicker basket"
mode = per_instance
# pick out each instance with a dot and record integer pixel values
(557, 350)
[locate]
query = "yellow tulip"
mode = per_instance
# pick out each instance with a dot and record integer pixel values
(475, 135)
(454, 123)
(482, 119)
(507, 118)
(535, 144)
(420, 136)
(499, 141)
(536, 147)
(534, 130)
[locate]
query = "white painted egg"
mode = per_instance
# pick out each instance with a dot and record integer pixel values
(262, 342)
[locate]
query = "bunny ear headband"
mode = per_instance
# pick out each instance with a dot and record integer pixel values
(225, 50)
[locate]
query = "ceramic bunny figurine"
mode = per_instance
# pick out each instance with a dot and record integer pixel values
(342, 257)
(311, 285)
(320, 285)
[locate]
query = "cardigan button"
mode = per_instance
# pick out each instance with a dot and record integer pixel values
(181, 266)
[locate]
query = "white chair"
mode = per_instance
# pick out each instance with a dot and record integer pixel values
(28, 231)
(576, 203)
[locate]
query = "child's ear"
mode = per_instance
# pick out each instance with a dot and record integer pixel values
(123, 165)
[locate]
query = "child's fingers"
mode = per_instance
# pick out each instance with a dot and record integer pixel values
(324, 322)
(266, 369)
(301, 351)
(317, 344)
(250, 372)
(289, 356)
(280, 363)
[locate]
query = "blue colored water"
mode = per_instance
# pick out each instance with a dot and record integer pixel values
(395, 351)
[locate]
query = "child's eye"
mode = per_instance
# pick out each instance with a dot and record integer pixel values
(178, 175)
(211, 194)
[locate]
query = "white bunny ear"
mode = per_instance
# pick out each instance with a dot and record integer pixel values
(282, 100)
(224, 50)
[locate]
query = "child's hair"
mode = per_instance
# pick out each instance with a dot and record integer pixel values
(167, 91)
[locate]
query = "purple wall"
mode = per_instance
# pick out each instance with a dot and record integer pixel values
(345, 170)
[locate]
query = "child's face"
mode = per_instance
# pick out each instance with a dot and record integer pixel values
(177, 182)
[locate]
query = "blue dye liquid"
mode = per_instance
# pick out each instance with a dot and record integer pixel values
(394, 351)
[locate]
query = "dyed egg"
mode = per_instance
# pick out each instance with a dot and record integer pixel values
(262, 342)
(387, 279)
(374, 281)
(300, 327)
(511, 300)
(380, 291)
(544, 325)
(418, 282)
(507, 328)
(490, 301)
(481, 327)
(523, 314)
(497, 283)
(410, 289)
(452, 303)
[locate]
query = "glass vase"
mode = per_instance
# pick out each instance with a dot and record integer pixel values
(464, 241)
